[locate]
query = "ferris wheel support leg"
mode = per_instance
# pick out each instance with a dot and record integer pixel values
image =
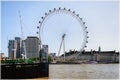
(60, 47)
(64, 48)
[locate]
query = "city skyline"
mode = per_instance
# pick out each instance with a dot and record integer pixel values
(101, 19)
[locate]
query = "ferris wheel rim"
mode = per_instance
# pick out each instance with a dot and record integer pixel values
(72, 13)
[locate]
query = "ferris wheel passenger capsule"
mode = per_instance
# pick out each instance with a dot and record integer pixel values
(45, 13)
(39, 21)
(64, 8)
(73, 11)
(54, 9)
(42, 17)
(59, 8)
(78, 15)
(80, 18)
(37, 32)
(38, 27)
(49, 10)
(68, 9)
(83, 22)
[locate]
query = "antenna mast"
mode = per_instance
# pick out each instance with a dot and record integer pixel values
(22, 44)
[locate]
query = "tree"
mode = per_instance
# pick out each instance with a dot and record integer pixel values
(22, 61)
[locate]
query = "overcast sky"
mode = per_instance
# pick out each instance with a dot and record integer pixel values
(101, 18)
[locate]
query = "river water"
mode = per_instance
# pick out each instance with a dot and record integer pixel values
(84, 71)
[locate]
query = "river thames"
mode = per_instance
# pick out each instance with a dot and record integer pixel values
(84, 71)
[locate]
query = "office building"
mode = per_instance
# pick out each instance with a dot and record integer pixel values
(12, 48)
(15, 48)
(32, 47)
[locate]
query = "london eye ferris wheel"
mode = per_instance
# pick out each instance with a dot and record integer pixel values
(63, 22)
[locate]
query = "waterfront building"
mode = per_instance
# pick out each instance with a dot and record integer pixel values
(99, 56)
(12, 48)
(106, 56)
(44, 53)
(32, 47)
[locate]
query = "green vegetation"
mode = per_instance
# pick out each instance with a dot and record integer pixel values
(31, 60)
(50, 59)
(10, 61)
(22, 61)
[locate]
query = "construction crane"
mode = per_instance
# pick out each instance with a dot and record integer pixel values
(22, 44)
(62, 42)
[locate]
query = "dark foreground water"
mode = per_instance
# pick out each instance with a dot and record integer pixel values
(84, 71)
